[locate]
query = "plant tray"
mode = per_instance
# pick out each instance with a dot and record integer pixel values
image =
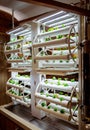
(65, 116)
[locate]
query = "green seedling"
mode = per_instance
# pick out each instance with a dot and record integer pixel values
(65, 79)
(61, 61)
(43, 104)
(55, 109)
(58, 83)
(54, 78)
(72, 80)
(62, 111)
(65, 84)
(49, 107)
(46, 81)
(61, 93)
(61, 98)
(59, 79)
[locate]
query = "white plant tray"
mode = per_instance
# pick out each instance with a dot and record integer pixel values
(22, 78)
(26, 103)
(58, 65)
(63, 31)
(63, 103)
(52, 42)
(15, 86)
(13, 95)
(63, 81)
(65, 116)
(57, 87)
(61, 107)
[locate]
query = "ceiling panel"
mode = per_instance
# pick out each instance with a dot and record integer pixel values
(23, 10)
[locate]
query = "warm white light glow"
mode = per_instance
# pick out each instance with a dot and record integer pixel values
(50, 16)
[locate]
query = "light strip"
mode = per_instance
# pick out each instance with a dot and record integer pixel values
(50, 16)
(62, 22)
(27, 33)
(16, 30)
(67, 24)
(22, 32)
(53, 20)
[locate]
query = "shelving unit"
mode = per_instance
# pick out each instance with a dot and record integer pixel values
(58, 97)
(58, 53)
(55, 56)
(19, 54)
(50, 56)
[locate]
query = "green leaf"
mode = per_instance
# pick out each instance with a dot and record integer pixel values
(61, 98)
(65, 84)
(62, 111)
(54, 78)
(43, 104)
(58, 83)
(72, 80)
(49, 107)
(55, 109)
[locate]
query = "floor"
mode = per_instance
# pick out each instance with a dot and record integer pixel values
(47, 123)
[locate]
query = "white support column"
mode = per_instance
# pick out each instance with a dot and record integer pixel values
(35, 77)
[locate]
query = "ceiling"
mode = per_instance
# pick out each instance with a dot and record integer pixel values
(30, 9)
(22, 10)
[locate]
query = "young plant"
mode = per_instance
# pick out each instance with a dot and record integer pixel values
(67, 61)
(72, 80)
(55, 109)
(61, 61)
(66, 94)
(43, 104)
(54, 78)
(65, 84)
(63, 25)
(49, 107)
(65, 79)
(50, 29)
(61, 93)
(62, 111)
(59, 79)
(11, 81)
(58, 82)
(61, 98)
(54, 95)
(59, 36)
(46, 81)
(47, 94)
(41, 93)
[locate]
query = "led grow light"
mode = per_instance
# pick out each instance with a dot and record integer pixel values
(23, 32)
(18, 29)
(50, 16)
(62, 22)
(67, 24)
(58, 18)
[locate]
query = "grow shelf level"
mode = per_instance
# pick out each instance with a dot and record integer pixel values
(19, 69)
(65, 116)
(57, 71)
